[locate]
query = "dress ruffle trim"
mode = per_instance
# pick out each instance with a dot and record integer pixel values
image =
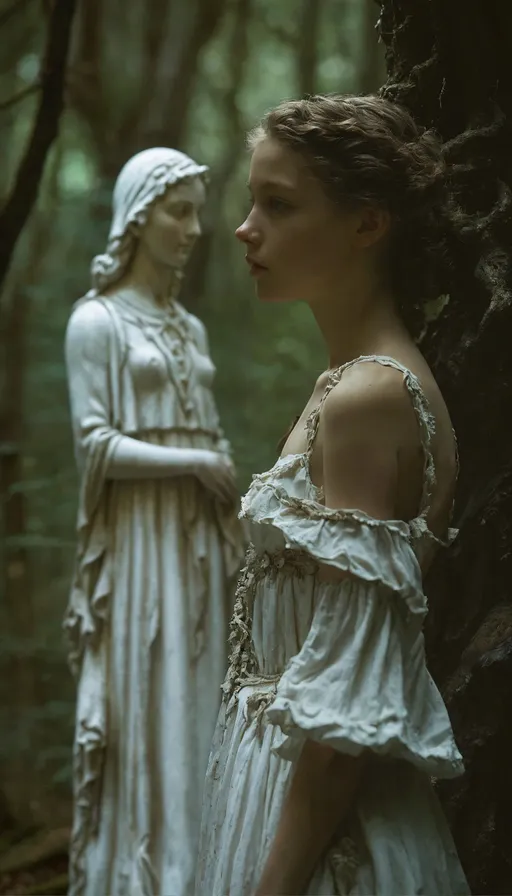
(388, 739)
(373, 551)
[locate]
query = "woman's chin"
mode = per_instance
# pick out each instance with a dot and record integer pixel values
(271, 296)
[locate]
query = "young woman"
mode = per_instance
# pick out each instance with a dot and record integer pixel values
(159, 544)
(330, 728)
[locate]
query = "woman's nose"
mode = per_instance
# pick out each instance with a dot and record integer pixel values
(246, 233)
(242, 232)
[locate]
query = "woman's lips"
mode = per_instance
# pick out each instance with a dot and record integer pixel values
(255, 268)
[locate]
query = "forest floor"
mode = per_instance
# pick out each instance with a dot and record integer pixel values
(34, 863)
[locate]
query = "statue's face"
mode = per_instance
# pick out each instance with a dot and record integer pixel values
(173, 224)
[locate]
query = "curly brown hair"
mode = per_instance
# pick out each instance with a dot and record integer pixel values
(365, 149)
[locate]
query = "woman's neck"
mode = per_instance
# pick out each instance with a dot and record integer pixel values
(359, 324)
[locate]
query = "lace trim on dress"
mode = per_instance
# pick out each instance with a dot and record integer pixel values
(243, 664)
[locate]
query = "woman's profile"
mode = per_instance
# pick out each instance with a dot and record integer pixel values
(331, 727)
(158, 544)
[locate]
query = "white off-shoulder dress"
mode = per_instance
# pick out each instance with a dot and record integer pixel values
(344, 665)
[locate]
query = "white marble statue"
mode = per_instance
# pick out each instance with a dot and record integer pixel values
(159, 543)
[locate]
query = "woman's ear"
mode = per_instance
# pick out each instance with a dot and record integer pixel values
(374, 224)
(134, 229)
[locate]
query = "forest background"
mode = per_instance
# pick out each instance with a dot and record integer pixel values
(195, 75)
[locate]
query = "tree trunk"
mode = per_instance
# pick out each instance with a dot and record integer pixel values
(162, 41)
(449, 63)
(308, 46)
(16, 210)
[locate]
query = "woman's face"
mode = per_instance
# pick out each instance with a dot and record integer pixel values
(173, 224)
(299, 244)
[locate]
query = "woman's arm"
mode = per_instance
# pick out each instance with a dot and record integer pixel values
(361, 428)
(320, 794)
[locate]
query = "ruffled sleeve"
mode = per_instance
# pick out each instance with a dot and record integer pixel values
(360, 680)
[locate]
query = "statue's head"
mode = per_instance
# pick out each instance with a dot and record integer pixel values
(156, 204)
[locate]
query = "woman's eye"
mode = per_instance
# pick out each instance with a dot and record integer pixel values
(275, 204)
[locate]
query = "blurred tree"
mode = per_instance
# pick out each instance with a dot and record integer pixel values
(450, 64)
(308, 46)
(136, 91)
(18, 205)
(237, 55)
(24, 693)
(14, 213)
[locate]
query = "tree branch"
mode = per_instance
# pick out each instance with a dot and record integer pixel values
(24, 193)
(21, 95)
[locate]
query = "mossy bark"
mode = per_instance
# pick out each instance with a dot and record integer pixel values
(450, 63)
